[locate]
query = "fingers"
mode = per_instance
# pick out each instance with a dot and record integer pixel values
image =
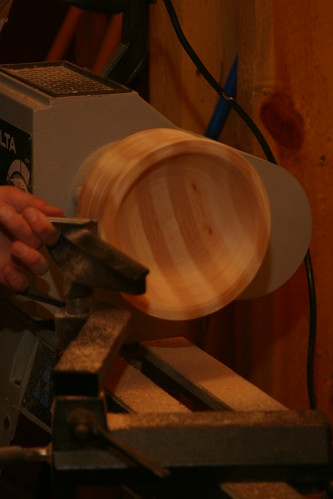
(22, 258)
(41, 226)
(32, 227)
(14, 278)
(20, 200)
(15, 224)
(27, 258)
(30, 258)
(24, 227)
(52, 211)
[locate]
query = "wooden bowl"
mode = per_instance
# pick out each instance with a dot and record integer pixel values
(192, 210)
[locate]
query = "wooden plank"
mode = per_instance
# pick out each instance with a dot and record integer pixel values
(205, 377)
(137, 393)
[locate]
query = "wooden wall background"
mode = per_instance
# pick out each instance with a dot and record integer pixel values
(285, 82)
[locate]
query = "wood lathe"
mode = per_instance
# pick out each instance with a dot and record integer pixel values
(53, 116)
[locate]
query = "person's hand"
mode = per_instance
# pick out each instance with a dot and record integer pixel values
(24, 228)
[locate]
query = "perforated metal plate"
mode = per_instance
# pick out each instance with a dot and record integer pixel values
(61, 79)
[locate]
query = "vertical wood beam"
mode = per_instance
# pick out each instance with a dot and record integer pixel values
(285, 82)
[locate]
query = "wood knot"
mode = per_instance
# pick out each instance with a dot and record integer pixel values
(284, 123)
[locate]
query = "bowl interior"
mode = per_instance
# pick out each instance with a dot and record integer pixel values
(200, 223)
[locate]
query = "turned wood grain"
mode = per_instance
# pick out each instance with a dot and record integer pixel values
(194, 211)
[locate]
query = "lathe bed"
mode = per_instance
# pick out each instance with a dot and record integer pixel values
(176, 377)
(164, 418)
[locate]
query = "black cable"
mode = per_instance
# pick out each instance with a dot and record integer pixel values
(312, 332)
(214, 83)
(270, 157)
